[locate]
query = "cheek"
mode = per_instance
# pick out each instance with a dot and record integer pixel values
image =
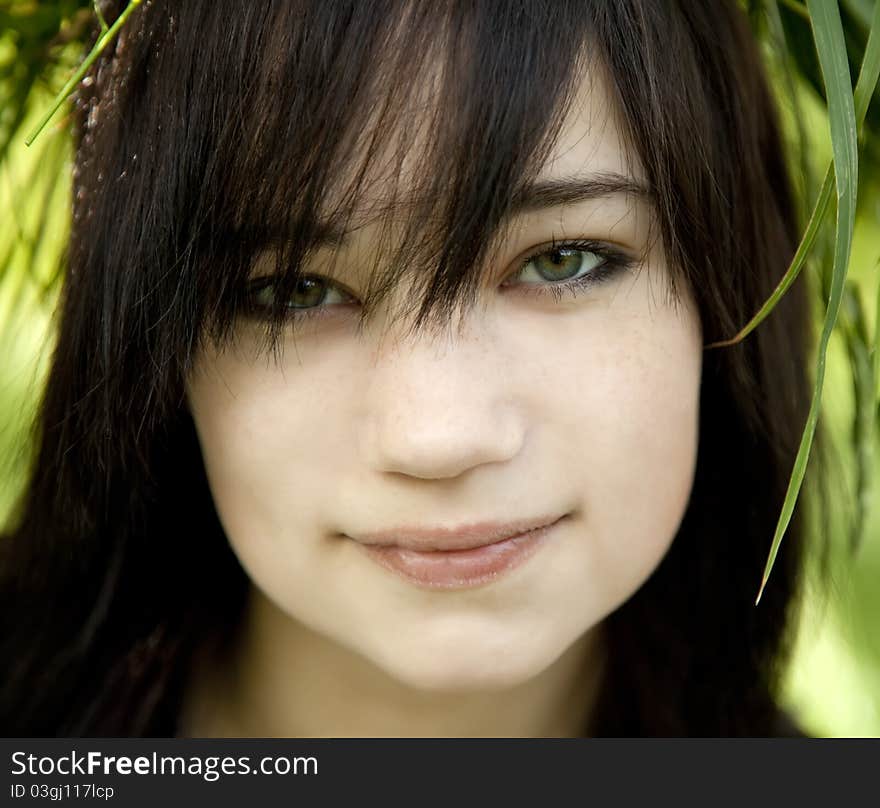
(268, 454)
(633, 440)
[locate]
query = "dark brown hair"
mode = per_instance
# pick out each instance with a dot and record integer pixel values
(213, 127)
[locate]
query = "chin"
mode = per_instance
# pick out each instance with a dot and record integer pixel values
(463, 666)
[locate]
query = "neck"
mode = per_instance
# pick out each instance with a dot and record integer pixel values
(281, 679)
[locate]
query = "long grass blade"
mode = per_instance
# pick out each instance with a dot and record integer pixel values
(103, 40)
(867, 81)
(831, 48)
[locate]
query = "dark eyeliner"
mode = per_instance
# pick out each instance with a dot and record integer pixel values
(614, 262)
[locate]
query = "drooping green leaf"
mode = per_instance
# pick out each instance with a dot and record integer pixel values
(831, 48)
(867, 82)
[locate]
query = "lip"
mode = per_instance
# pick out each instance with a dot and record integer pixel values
(462, 537)
(439, 558)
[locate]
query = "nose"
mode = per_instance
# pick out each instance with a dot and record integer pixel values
(437, 407)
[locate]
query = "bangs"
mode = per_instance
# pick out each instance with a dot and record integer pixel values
(300, 122)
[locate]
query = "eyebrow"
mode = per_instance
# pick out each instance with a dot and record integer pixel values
(539, 195)
(551, 193)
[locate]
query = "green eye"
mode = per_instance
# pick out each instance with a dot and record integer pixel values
(562, 264)
(569, 268)
(311, 291)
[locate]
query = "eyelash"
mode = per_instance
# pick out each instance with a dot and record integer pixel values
(613, 262)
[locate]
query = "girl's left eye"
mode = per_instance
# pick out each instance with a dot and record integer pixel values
(569, 266)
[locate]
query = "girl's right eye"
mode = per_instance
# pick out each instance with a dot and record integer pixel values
(313, 295)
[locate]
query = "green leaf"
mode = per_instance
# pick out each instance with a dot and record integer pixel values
(101, 21)
(857, 344)
(831, 48)
(106, 35)
(876, 348)
(864, 91)
(797, 7)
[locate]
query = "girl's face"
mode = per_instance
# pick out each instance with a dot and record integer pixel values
(540, 406)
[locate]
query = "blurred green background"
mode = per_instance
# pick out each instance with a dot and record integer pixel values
(833, 687)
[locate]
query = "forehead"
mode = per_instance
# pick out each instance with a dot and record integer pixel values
(592, 139)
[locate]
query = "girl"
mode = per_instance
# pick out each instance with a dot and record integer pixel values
(380, 404)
